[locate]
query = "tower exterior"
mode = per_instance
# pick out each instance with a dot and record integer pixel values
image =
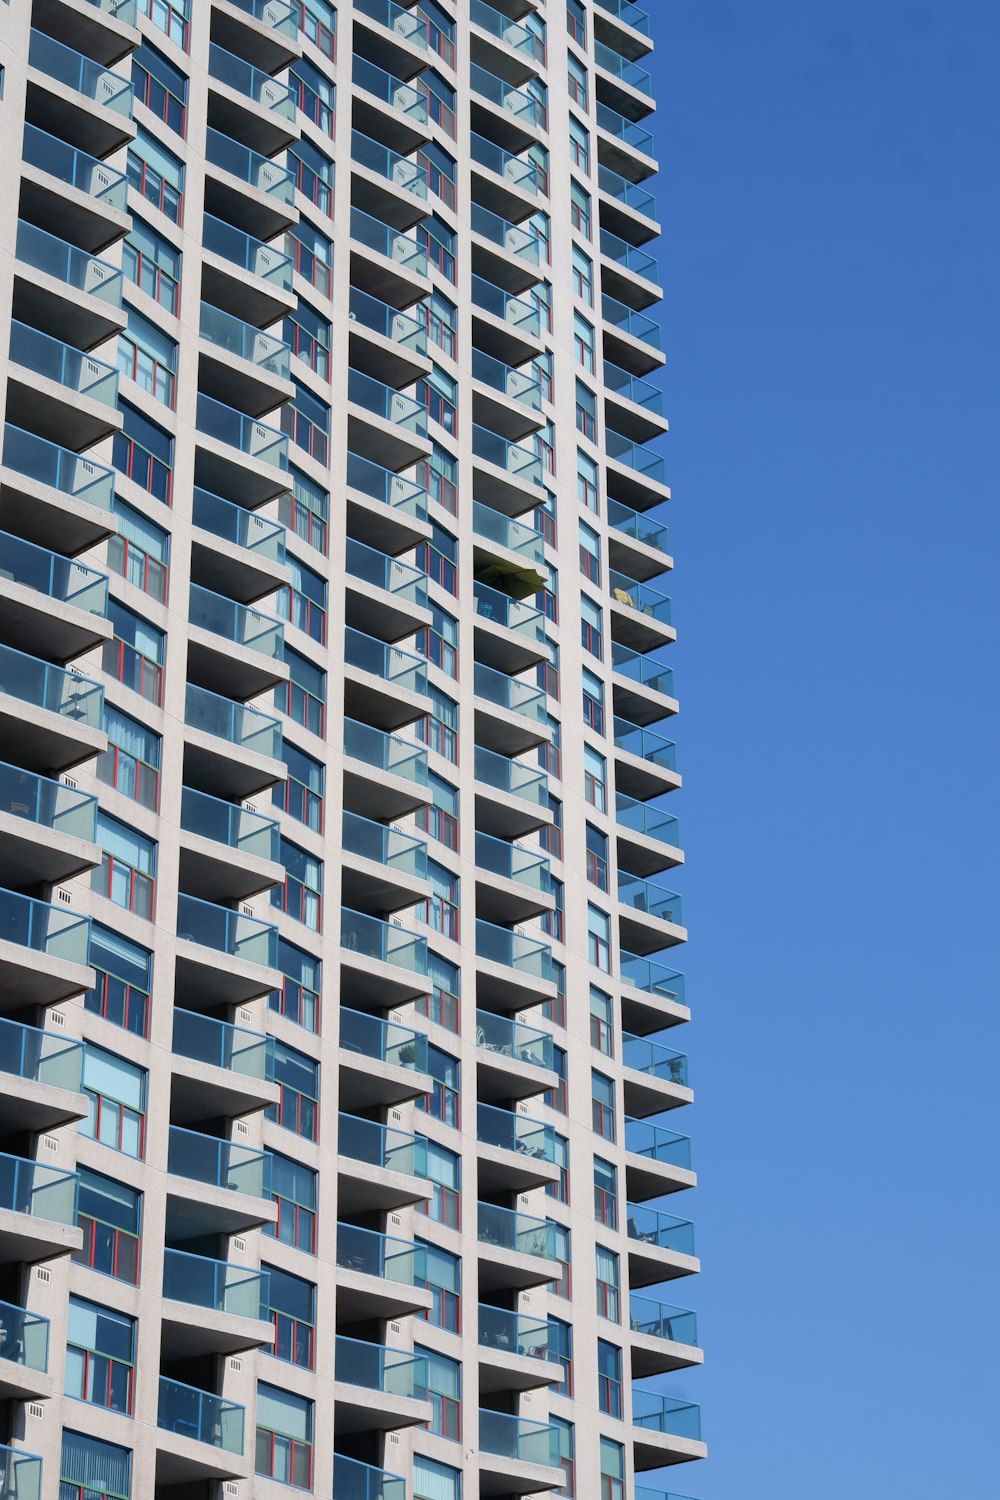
(335, 1079)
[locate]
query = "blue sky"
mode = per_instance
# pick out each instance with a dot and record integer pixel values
(830, 255)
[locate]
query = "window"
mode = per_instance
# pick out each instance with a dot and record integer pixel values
(442, 910)
(438, 242)
(583, 286)
(441, 39)
(318, 24)
(151, 263)
(440, 98)
(91, 1469)
(312, 173)
(297, 1077)
(586, 482)
(444, 1388)
(550, 837)
(303, 602)
(601, 1022)
(576, 21)
(156, 174)
(144, 453)
(131, 763)
(444, 1169)
(160, 86)
(591, 627)
(314, 93)
(438, 559)
(110, 1214)
(540, 297)
(312, 256)
(542, 369)
(442, 1103)
(284, 1436)
(544, 444)
(595, 778)
(583, 343)
(140, 551)
(440, 318)
(577, 80)
(100, 1354)
(294, 1189)
(539, 92)
(309, 336)
(612, 1470)
(444, 1282)
(561, 1353)
(442, 1004)
(441, 171)
(580, 209)
(303, 697)
(440, 818)
(171, 16)
(305, 509)
(567, 1454)
(561, 1252)
(593, 701)
(597, 859)
(602, 1091)
(148, 357)
(124, 979)
(439, 393)
(301, 896)
(558, 1098)
(306, 421)
(439, 729)
(608, 1269)
(609, 1378)
(298, 998)
(116, 1096)
(605, 1192)
(127, 872)
(579, 144)
(439, 641)
(293, 1306)
(434, 1481)
(555, 1010)
(301, 795)
(439, 476)
(559, 1190)
(586, 411)
(538, 156)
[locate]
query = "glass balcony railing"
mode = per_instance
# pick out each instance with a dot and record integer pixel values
(382, 317)
(400, 579)
(644, 668)
(385, 752)
(629, 257)
(512, 1332)
(24, 1340)
(629, 194)
(521, 1438)
(48, 804)
(528, 955)
(254, 439)
(648, 1226)
(72, 474)
(52, 359)
(261, 89)
(654, 1059)
(505, 775)
(622, 68)
(198, 1414)
(229, 932)
(634, 456)
(247, 253)
(635, 324)
(391, 847)
(644, 818)
(665, 1414)
(511, 238)
(353, 1480)
(626, 130)
(49, 573)
(506, 1229)
(67, 66)
(238, 723)
(494, 526)
(507, 1038)
(376, 1367)
(277, 14)
(395, 666)
(66, 263)
(638, 527)
(513, 614)
(386, 487)
(513, 169)
(381, 1255)
(516, 385)
(513, 862)
(653, 977)
(258, 172)
(412, 28)
(659, 1320)
(649, 897)
(398, 170)
(222, 1164)
(239, 623)
(641, 392)
(641, 597)
(625, 11)
(513, 1132)
(396, 246)
(20, 1472)
(219, 1044)
(30, 1187)
(217, 1285)
(513, 101)
(521, 463)
(507, 31)
(44, 928)
(51, 154)
(504, 305)
(393, 91)
(370, 937)
(40, 1057)
(657, 1144)
(241, 527)
(381, 1146)
(244, 341)
(511, 694)
(383, 1041)
(42, 685)
(386, 402)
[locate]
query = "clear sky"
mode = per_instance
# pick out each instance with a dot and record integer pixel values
(831, 256)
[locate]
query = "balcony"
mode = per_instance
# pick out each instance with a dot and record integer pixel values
(378, 1389)
(353, 1480)
(46, 830)
(388, 867)
(512, 883)
(624, 26)
(233, 1307)
(638, 544)
(77, 98)
(386, 263)
(634, 407)
(41, 1076)
(228, 852)
(657, 1161)
(233, 646)
(238, 455)
(199, 1436)
(663, 1337)
(629, 275)
(397, 40)
(625, 146)
(648, 838)
(507, 401)
(386, 598)
(386, 108)
(640, 614)
(513, 971)
(65, 291)
(508, 182)
(57, 391)
(516, 1251)
(622, 84)
(385, 421)
(514, 1351)
(384, 685)
(511, 50)
(104, 30)
(383, 964)
(24, 1363)
(383, 183)
(379, 1275)
(231, 750)
(631, 339)
(249, 105)
(381, 1062)
(509, 636)
(384, 342)
(652, 995)
(508, 476)
(242, 274)
(218, 1070)
(502, 113)
(215, 1186)
(43, 952)
(627, 208)
(46, 490)
(512, 799)
(379, 1169)
(223, 957)
(660, 1246)
(265, 32)
(643, 686)
(513, 1060)
(37, 1212)
(236, 552)
(21, 1472)
(50, 719)
(69, 193)
(384, 509)
(504, 325)
(247, 189)
(504, 254)
(506, 553)
(649, 916)
(511, 716)
(664, 1430)
(655, 1077)
(239, 365)
(519, 1154)
(385, 777)
(50, 603)
(517, 1455)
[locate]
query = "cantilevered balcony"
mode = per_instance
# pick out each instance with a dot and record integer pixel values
(506, 181)
(636, 475)
(248, 104)
(508, 475)
(512, 883)
(514, 1152)
(384, 421)
(70, 193)
(37, 1211)
(381, 1062)
(24, 1363)
(46, 490)
(643, 686)
(57, 391)
(40, 1074)
(503, 113)
(652, 995)
(105, 32)
(385, 869)
(392, 36)
(622, 84)
(380, 1275)
(241, 366)
(231, 750)
(625, 145)
(385, 777)
(384, 509)
(235, 551)
(514, 1060)
(647, 837)
(212, 1307)
(664, 1430)
(640, 614)
(357, 1481)
(386, 262)
(384, 685)
(509, 635)
(511, 51)
(387, 108)
(507, 554)
(50, 719)
(265, 32)
(517, 1455)
(247, 189)
(511, 715)
(385, 597)
(65, 291)
(242, 274)
(649, 916)
(513, 970)
(660, 1246)
(630, 276)
(385, 184)
(233, 646)
(516, 1251)
(655, 1077)
(47, 830)
(656, 1161)
(384, 342)
(199, 1436)
(237, 455)
(77, 98)
(505, 400)
(51, 605)
(43, 952)
(382, 963)
(514, 1351)
(378, 1388)
(503, 253)
(512, 798)
(504, 325)
(627, 209)
(633, 406)
(631, 338)
(378, 1168)
(623, 26)
(663, 1337)
(218, 1070)
(215, 1186)
(223, 957)
(638, 545)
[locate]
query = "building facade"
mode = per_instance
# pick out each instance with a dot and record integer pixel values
(334, 765)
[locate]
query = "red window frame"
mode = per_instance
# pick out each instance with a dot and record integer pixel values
(87, 1254)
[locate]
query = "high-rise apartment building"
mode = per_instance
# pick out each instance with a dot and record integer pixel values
(334, 1083)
